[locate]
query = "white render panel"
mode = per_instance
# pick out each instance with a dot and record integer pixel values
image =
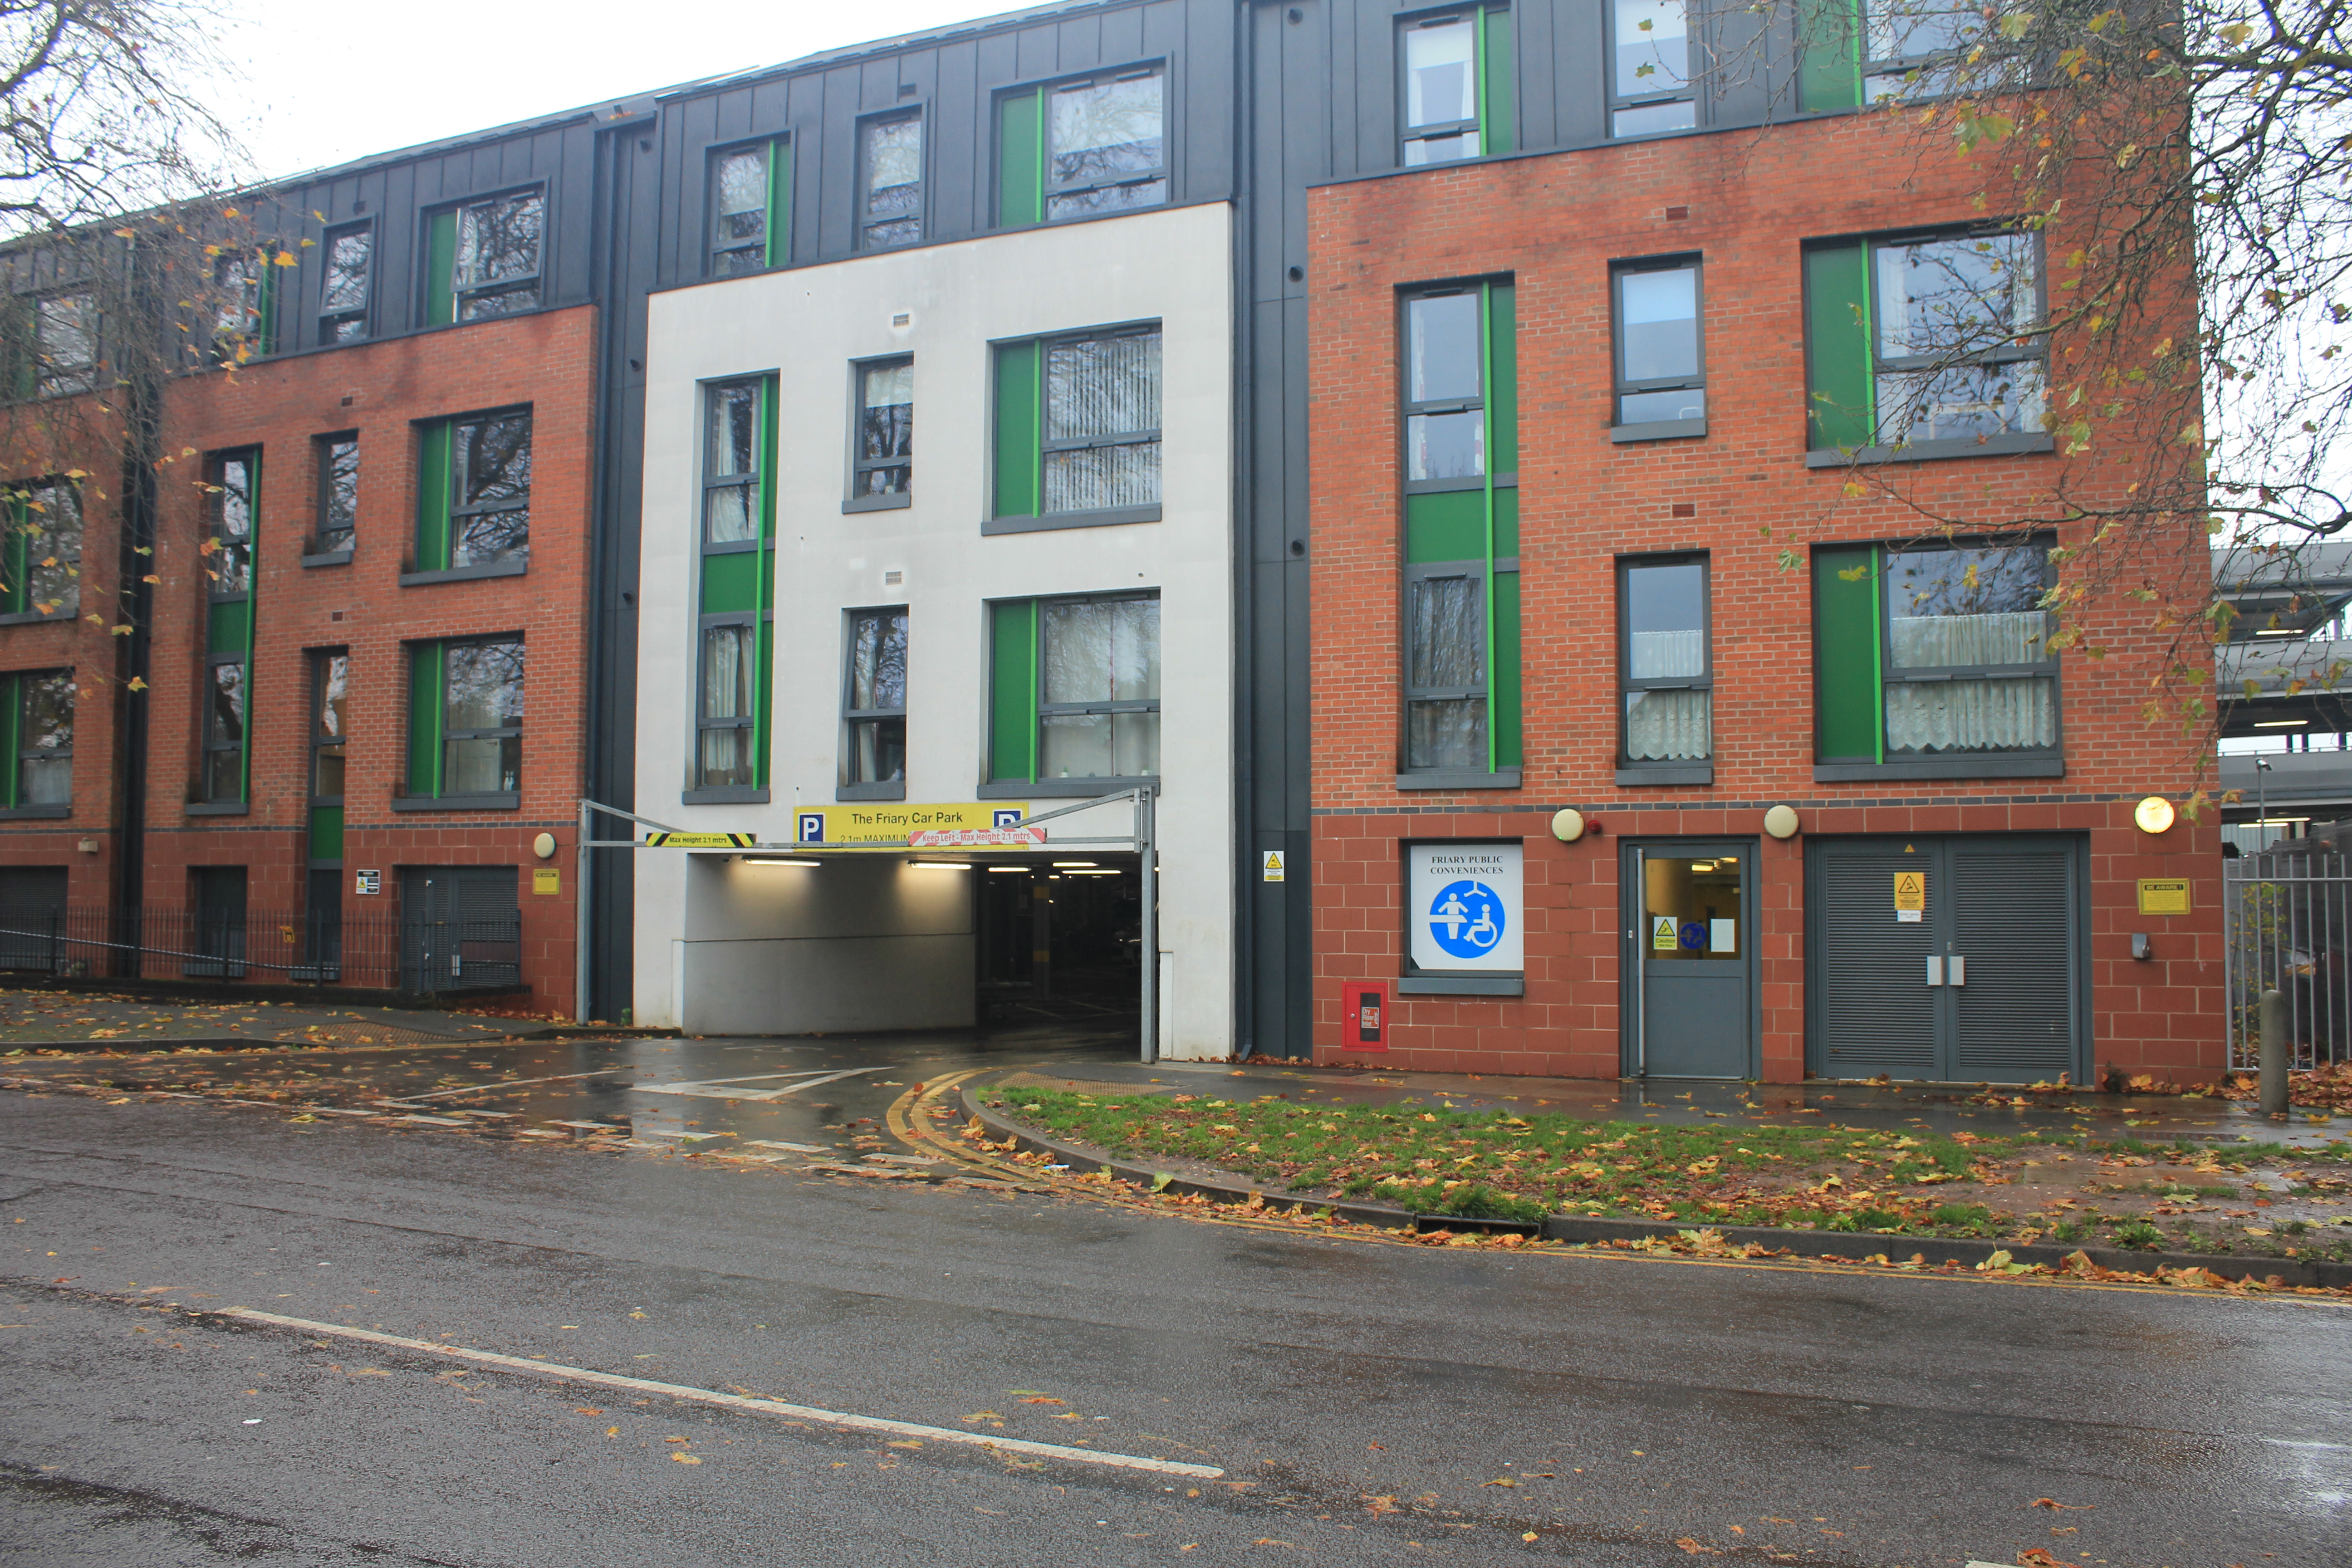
(767, 960)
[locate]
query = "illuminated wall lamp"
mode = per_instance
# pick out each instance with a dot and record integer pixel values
(2279, 723)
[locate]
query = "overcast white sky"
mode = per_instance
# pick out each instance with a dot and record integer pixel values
(325, 83)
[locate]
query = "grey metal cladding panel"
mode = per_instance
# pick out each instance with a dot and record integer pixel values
(837, 168)
(2012, 920)
(1273, 460)
(1370, 138)
(1876, 1012)
(1272, 724)
(961, 146)
(1297, 796)
(1535, 41)
(1579, 69)
(1755, 52)
(1200, 39)
(573, 192)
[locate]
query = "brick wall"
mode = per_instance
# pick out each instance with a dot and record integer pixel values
(1746, 200)
(381, 390)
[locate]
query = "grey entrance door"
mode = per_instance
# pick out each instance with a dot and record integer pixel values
(460, 929)
(1985, 984)
(1690, 965)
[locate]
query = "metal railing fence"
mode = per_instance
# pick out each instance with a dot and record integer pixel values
(2287, 926)
(421, 956)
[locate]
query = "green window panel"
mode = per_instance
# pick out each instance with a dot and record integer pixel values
(1013, 692)
(731, 583)
(327, 833)
(229, 627)
(1506, 522)
(1446, 525)
(441, 270)
(1502, 379)
(1020, 429)
(432, 495)
(425, 691)
(1848, 680)
(1839, 381)
(1830, 39)
(12, 730)
(1503, 677)
(780, 203)
(1021, 159)
(1497, 97)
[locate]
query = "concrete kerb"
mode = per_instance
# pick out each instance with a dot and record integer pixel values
(1856, 1245)
(133, 1046)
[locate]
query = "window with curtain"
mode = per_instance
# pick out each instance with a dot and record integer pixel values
(1445, 670)
(873, 700)
(1966, 640)
(726, 722)
(1102, 422)
(1650, 68)
(891, 187)
(882, 472)
(1665, 670)
(730, 466)
(1098, 688)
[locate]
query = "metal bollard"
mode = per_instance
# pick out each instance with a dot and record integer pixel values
(2271, 1054)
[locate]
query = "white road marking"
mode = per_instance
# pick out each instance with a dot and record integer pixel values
(736, 1402)
(715, 1087)
(509, 1083)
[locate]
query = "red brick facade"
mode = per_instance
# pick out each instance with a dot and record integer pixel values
(1746, 201)
(543, 361)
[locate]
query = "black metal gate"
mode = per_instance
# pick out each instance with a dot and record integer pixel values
(460, 929)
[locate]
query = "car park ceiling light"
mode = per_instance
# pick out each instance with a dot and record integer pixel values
(941, 864)
(2279, 723)
(778, 860)
(1071, 865)
(1022, 868)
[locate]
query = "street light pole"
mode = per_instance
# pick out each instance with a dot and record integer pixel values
(2261, 801)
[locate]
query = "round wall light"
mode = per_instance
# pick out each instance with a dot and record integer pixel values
(2153, 815)
(1568, 826)
(544, 846)
(1781, 822)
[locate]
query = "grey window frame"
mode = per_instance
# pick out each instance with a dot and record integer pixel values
(749, 480)
(211, 744)
(1134, 72)
(66, 547)
(463, 294)
(864, 221)
(859, 467)
(501, 732)
(77, 377)
(319, 659)
(1876, 67)
(770, 149)
(1620, 431)
(844, 788)
(1674, 770)
(323, 549)
(330, 319)
(2007, 351)
(1689, 92)
(1484, 692)
(1045, 709)
(1146, 511)
(1407, 409)
(700, 790)
(1436, 131)
(216, 465)
(517, 557)
(30, 754)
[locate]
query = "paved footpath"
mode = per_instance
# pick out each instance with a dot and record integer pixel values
(1365, 1402)
(31, 1019)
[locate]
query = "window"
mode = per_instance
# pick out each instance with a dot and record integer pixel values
(737, 563)
(882, 472)
(1075, 692)
(1650, 68)
(1861, 52)
(750, 208)
(1661, 371)
(245, 303)
(483, 259)
(1935, 659)
(345, 287)
(1078, 430)
(233, 490)
(890, 182)
(1665, 672)
(1457, 84)
(40, 555)
(1076, 149)
(329, 732)
(474, 495)
(37, 711)
(466, 719)
(1461, 589)
(874, 706)
(1926, 343)
(339, 494)
(65, 345)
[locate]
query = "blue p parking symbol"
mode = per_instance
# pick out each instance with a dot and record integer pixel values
(1006, 816)
(1466, 919)
(810, 827)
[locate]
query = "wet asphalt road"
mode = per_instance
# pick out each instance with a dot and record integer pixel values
(1832, 1418)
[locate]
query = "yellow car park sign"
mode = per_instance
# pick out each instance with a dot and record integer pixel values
(702, 841)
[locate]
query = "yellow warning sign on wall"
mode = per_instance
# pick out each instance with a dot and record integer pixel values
(2167, 897)
(1661, 935)
(1910, 895)
(546, 879)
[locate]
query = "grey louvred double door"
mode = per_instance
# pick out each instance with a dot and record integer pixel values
(2008, 908)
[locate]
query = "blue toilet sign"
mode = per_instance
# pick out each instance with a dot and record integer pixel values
(1467, 919)
(1463, 906)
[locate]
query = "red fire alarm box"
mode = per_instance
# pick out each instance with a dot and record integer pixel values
(1364, 1016)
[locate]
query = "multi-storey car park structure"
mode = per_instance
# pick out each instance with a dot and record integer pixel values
(1350, 422)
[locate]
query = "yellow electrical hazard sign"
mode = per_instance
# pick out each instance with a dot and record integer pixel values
(1272, 866)
(702, 841)
(1910, 894)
